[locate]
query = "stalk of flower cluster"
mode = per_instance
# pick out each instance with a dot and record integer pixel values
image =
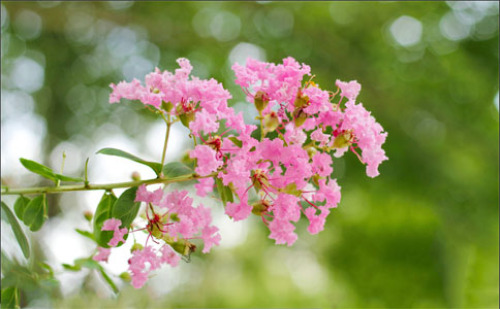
(169, 124)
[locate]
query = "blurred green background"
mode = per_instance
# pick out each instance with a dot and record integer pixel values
(423, 234)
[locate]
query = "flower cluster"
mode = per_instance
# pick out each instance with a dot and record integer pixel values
(278, 170)
(198, 104)
(172, 222)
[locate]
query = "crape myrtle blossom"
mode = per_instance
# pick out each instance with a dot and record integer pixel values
(277, 171)
(172, 223)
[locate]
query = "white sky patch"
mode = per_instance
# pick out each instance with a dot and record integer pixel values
(406, 31)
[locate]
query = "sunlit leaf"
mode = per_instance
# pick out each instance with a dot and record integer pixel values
(120, 153)
(125, 208)
(102, 213)
(18, 231)
(20, 206)
(68, 178)
(39, 169)
(176, 169)
(225, 193)
(86, 234)
(35, 213)
(108, 280)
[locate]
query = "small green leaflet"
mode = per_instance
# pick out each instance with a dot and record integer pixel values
(86, 234)
(176, 169)
(18, 231)
(125, 208)
(103, 213)
(120, 153)
(46, 172)
(35, 213)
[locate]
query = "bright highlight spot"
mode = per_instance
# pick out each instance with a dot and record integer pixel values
(406, 31)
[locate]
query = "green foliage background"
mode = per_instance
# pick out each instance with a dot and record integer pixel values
(422, 234)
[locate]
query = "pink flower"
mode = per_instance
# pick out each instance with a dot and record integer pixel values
(349, 90)
(168, 256)
(210, 238)
(328, 192)
(282, 232)
(369, 136)
(322, 164)
(286, 207)
(141, 263)
(320, 137)
(238, 211)
(102, 254)
(317, 223)
(206, 160)
(143, 195)
(204, 186)
(113, 224)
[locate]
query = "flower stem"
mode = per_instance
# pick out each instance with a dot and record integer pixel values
(169, 124)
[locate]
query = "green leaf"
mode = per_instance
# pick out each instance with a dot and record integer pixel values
(39, 169)
(87, 263)
(85, 234)
(18, 231)
(120, 153)
(67, 178)
(236, 141)
(72, 267)
(35, 213)
(125, 208)
(176, 169)
(103, 213)
(10, 298)
(225, 193)
(20, 206)
(48, 268)
(92, 264)
(108, 280)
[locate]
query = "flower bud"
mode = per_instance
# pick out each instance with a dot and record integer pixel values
(186, 118)
(271, 121)
(125, 276)
(183, 247)
(167, 106)
(136, 246)
(299, 117)
(343, 140)
(186, 113)
(292, 189)
(259, 207)
(301, 101)
(136, 176)
(88, 215)
(261, 100)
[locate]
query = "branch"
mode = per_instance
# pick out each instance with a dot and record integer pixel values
(109, 186)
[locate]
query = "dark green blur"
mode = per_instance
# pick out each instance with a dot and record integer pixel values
(424, 234)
